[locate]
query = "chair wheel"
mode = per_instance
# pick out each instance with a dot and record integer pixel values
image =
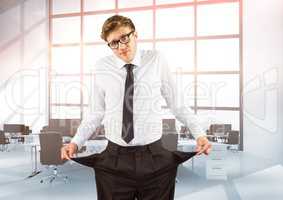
(41, 181)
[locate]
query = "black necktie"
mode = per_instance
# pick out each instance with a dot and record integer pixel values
(128, 122)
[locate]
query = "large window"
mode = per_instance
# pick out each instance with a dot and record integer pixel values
(200, 39)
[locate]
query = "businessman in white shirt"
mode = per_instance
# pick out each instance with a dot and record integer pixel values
(127, 88)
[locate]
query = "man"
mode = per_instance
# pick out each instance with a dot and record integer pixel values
(127, 90)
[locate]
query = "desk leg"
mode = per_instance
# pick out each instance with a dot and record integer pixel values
(33, 162)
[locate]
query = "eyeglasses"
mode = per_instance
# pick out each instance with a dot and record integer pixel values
(124, 39)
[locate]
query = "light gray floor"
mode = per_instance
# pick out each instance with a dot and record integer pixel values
(15, 166)
(265, 184)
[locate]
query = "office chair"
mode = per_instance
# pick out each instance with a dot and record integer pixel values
(185, 133)
(16, 132)
(215, 129)
(233, 140)
(99, 134)
(3, 141)
(169, 134)
(27, 130)
(50, 154)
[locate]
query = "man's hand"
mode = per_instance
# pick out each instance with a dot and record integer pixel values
(68, 151)
(203, 145)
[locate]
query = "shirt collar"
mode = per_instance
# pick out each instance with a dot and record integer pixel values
(136, 61)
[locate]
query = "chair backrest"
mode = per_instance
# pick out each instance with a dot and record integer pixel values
(169, 126)
(27, 130)
(14, 128)
(50, 148)
(222, 128)
(169, 134)
(2, 137)
(233, 137)
(67, 127)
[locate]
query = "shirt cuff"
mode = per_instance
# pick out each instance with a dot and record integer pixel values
(79, 142)
(200, 135)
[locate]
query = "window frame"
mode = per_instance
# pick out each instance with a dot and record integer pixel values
(154, 7)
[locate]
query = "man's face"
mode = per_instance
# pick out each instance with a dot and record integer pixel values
(127, 51)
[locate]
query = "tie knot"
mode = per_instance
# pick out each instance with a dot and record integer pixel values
(129, 67)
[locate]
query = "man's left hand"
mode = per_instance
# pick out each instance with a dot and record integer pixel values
(203, 146)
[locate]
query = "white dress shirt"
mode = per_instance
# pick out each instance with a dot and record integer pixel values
(152, 82)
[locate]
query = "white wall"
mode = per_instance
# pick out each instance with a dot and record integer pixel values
(263, 74)
(23, 62)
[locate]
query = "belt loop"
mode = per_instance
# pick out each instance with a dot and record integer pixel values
(118, 149)
(113, 149)
(149, 149)
(153, 149)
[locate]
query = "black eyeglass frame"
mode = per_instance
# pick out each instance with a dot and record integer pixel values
(126, 40)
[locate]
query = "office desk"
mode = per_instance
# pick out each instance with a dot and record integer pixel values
(33, 156)
(13, 140)
(186, 145)
(32, 141)
(215, 161)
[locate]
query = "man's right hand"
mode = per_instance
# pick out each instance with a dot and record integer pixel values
(68, 151)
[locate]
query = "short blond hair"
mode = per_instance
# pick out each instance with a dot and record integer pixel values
(115, 22)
